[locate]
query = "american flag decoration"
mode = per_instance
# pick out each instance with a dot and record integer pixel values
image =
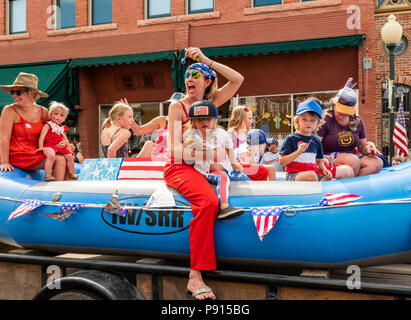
(26, 207)
(66, 210)
(332, 199)
(141, 169)
(122, 169)
(399, 138)
(265, 219)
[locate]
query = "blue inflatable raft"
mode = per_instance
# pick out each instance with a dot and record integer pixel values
(373, 230)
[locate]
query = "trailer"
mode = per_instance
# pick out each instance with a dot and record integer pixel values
(39, 275)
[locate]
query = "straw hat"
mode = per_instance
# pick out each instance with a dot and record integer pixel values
(27, 80)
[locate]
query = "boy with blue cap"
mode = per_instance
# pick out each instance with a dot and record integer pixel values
(302, 152)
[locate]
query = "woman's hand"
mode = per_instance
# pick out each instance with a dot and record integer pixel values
(124, 100)
(6, 167)
(327, 173)
(197, 55)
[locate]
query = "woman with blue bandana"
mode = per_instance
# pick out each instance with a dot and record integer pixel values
(200, 83)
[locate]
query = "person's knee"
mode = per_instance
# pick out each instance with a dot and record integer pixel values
(59, 161)
(344, 171)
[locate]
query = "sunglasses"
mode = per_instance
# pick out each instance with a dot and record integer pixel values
(18, 92)
(194, 74)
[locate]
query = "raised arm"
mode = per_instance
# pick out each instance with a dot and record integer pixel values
(235, 79)
(155, 124)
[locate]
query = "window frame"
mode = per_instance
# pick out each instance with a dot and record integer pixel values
(254, 5)
(188, 11)
(9, 20)
(147, 11)
(57, 13)
(91, 16)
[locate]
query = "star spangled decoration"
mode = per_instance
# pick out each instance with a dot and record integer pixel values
(100, 169)
(265, 219)
(66, 210)
(27, 206)
(113, 206)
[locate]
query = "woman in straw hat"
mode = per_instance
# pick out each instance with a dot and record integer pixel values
(343, 132)
(20, 127)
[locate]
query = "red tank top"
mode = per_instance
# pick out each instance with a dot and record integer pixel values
(24, 141)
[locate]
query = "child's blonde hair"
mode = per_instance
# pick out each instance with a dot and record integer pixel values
(117, 110)
(191, 128)
(238, 118)
(56, 105)
(319, 123)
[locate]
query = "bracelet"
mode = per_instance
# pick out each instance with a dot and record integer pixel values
(211, 63)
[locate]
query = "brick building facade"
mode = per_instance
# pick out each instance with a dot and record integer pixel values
(286, 52)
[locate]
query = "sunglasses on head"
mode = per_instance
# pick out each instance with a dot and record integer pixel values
(194, 74)
(18, 92)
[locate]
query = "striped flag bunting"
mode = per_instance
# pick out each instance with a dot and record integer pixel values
(332, 199)
(122, 169)
(26, 207)
(399, 138)
(265, 219)
(141, 169)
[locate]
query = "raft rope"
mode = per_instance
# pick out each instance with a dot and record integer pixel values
(289, 211)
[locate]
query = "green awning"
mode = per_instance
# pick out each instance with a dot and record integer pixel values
(287, 46)
(54, 79)
(128, 58)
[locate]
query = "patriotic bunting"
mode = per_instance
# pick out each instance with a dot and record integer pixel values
(26, 207)
(332, 199)
(113, 206)
(265, 219)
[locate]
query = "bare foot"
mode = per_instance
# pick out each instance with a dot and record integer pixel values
(195, 283)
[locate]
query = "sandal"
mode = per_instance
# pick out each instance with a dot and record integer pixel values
(230, 212)
(73, 176)
(49, 177)
(193, 295)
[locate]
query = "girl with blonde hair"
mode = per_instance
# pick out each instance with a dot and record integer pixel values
(116, 131)
(238, 127)
(52, 133)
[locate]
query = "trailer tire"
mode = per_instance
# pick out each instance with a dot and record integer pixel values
(76, 295)
(90, 285)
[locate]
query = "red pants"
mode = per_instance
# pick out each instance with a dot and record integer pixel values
(255, 172)
(204, 206)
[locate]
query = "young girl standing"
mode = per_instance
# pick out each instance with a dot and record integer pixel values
(52, 133)
(203, 135)
(116, 131)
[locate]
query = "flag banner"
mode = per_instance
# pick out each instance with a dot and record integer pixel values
(26, 207)
(141, 169)
(113, 206)
(399, 138)
(265, 219)
(66, 210)
(100, 169)
(332, 199)
(122, 169)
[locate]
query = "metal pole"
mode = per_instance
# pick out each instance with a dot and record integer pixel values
(391, 48)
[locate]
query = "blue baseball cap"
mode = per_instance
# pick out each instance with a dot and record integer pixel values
(309, 106)
(203, 109)
(256, 137)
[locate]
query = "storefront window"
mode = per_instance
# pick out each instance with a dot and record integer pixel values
(274, 114)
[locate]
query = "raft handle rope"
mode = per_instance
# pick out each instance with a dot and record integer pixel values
(289, 211)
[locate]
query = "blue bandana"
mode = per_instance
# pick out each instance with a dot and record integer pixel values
(205, 70)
